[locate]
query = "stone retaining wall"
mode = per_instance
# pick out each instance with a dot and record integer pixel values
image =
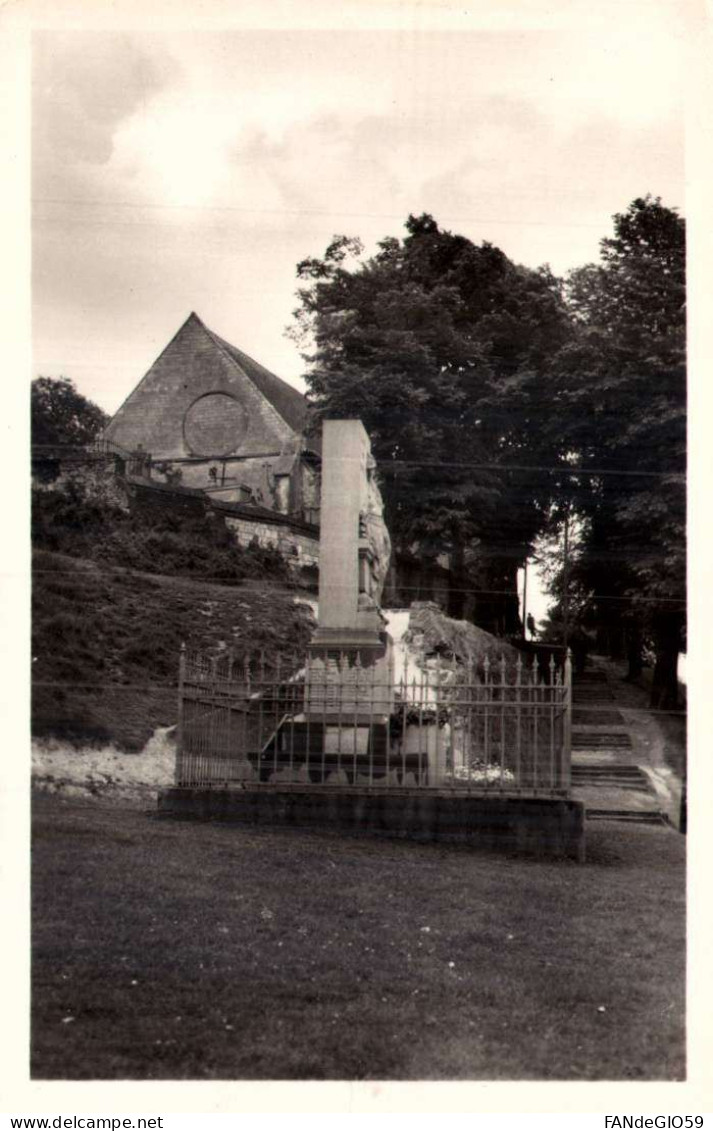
(298, 549)
(96, 474)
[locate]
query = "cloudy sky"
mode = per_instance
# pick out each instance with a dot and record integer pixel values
(177, 171)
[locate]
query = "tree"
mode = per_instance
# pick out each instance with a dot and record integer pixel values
(60, 415)
(442, 348)
(621, 400)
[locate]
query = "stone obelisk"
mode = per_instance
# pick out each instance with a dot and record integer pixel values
(354, 551)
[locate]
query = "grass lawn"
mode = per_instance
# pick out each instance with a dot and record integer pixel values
(167, 950)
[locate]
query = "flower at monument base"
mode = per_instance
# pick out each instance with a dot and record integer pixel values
(482, 772)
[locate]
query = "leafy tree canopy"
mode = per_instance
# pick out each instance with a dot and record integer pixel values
(442, 347)
(621, 396)
(61, 415)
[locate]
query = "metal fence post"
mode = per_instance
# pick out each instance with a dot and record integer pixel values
(567, 743)
(528, 753)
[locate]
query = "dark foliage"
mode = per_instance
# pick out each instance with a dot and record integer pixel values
(59, 415)
(73, 521)
(441, 348)
(621, 394)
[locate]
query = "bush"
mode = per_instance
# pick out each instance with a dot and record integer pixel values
(71, 521)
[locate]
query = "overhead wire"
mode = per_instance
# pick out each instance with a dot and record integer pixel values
(105, 684)
(383, 465)
(233, 208)
(246, 584)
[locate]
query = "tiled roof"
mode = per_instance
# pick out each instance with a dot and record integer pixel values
(288, 401)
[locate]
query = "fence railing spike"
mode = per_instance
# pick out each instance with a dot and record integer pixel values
(500, 736)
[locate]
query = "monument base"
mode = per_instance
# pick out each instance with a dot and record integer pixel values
(336, 642)
(349, 674)
(545, 827)
(313, 749)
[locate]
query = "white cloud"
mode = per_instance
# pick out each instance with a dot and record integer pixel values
(220, 160)
(255, 117)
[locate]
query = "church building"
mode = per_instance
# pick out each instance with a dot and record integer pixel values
(208, 425)
(210, 417)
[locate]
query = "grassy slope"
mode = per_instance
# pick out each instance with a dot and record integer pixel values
(165, 950)
(122, 630)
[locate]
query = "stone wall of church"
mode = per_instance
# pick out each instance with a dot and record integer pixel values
(239, 480)
(230, 475)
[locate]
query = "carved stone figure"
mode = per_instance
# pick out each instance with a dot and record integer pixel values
(374, 542)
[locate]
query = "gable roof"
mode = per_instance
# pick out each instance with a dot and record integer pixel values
(154, 414)
(289, 402)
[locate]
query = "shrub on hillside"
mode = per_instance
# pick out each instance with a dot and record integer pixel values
(59, 414)
(72, 521)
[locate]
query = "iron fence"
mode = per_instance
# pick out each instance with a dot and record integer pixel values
(332, 721)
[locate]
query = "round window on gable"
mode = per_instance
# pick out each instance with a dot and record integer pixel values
(215, 425)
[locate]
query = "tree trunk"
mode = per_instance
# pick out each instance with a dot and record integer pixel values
(616, 643)
(667, 644)
(634, 653)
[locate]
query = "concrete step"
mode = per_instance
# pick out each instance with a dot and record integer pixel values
(639, 817)
(596, 717)
(611, 776)
(625, 773)
(589, 739)
(610, 783)
(611, 770)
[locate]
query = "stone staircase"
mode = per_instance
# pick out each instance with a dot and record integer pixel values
(605, 774)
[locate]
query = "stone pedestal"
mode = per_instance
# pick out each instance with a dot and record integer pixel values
(351, 681)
